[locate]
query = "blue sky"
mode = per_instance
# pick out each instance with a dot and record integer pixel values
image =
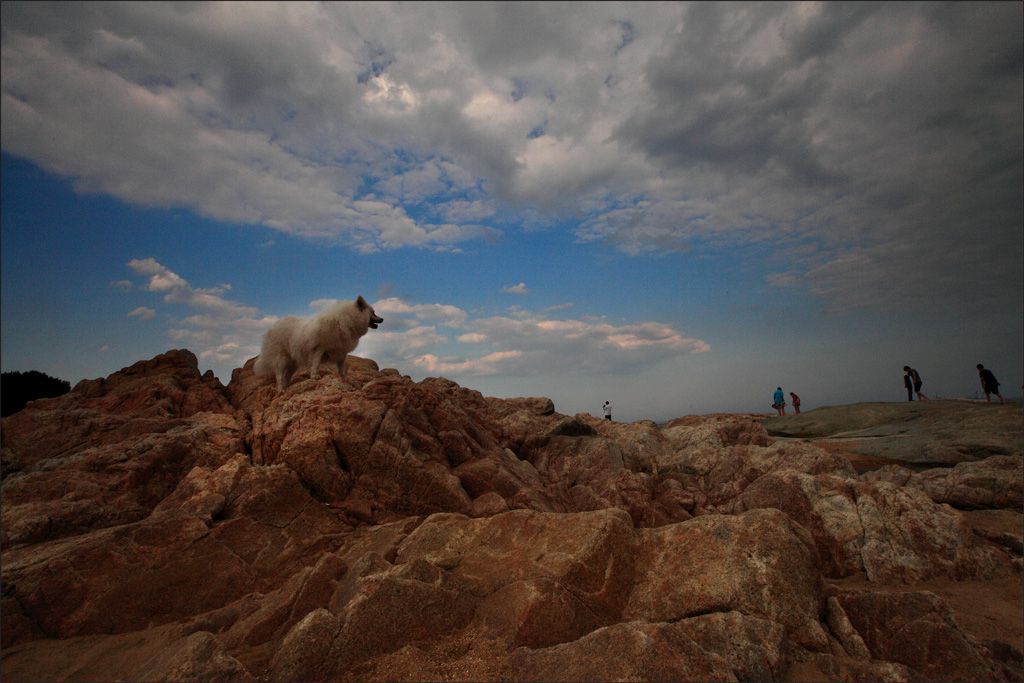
(674, 207)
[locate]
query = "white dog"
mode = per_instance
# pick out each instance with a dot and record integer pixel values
(329, 336)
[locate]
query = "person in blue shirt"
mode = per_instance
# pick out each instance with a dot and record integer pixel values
(780, 401)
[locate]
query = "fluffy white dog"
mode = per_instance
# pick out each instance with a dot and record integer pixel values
(329, 336)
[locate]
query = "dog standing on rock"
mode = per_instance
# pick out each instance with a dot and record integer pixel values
(329, 336)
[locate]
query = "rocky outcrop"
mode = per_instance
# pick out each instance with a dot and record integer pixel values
(991, 483)
(163, 527)
(936, 432)
(111, 450)
(917, 630)
(891, 533)
(387, 447)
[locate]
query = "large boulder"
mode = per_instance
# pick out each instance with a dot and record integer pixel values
(108, 452)
(994, 482)
(758, 563)
(918, 630)
(890, 532)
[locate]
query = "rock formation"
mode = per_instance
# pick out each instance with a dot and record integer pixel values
(160, 526)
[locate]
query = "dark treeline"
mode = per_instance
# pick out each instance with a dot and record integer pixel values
(18, 388)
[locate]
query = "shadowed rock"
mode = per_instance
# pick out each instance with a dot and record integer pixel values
(919, 432)
(160, 526)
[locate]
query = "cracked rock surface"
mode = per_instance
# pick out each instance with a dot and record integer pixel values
(157, 525)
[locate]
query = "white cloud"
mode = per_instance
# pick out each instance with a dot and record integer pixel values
(527, 344)
(223, 333)
(659, 127)
(442, 314)
(491, 364)
(517, 289)
(544, 344)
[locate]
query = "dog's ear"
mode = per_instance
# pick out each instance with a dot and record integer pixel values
(361, 303)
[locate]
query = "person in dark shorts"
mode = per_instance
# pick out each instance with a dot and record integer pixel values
(916, 379)
(989, 383)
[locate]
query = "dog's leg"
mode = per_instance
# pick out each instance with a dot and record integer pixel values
(284, 375)
(341, 365)
(314, 365)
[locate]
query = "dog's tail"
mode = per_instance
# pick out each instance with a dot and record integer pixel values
(260, 366)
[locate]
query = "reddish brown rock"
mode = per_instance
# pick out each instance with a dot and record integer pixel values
(124, 578)
(302, 653)
(584, 563)
(199, 657)
(721, 430)
(172, 565)
(994, 482)
(643, 652)
(108, 452)
(919, 631)
(379, 446)
(757, 563)
(892, 533)
(158, 526)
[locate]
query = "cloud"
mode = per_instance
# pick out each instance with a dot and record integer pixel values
(223, 333)
(543, 344)
(517, 289)
(491, 364)
(658, 128)
(442, 314)
(161, 279)
(528, 344)
(178, 291)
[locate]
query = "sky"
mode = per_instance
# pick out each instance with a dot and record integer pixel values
(673, 207)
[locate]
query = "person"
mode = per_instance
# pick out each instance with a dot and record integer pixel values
(607, 410)
(916, 379)
(909, 385)
(796, 402)
(989, 383)
(780, 401)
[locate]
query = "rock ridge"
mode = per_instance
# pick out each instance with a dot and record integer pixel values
(166, 527)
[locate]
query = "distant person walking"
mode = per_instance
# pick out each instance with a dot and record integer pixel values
(909, 385)
(989, 383)
(607, 410)
(780, 401)
(796, 402)
(916, 379)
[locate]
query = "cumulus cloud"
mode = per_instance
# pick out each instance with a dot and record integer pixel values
(517, 289)
(660, 127)
(442, 314)
(223, 333)
(528, 344)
